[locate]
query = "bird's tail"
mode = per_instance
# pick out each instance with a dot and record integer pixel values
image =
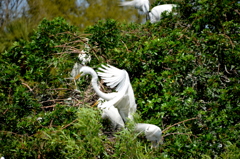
(128, 3)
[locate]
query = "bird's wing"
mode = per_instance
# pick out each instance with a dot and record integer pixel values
(141, 5)
(129, 3)
(112, 76)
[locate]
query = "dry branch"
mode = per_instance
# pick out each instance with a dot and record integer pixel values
(178, 123)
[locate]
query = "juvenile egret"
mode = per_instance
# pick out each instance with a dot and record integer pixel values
(111, 113)
(155, 14)
(123, 99)
(152, 132)
(141, 5)
(85, 57)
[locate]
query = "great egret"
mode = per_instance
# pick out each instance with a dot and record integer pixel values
(111, 113)
(123, 99)
(152, 132)
(155, 14)
(141, 5)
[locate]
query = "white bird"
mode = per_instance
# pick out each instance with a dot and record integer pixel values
(111, 114)
(123, 99)
(74, 73)
(141, 5)
(84, 57)
(155, 14)
(152, 132)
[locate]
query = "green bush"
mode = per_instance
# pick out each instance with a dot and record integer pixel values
(184, 71)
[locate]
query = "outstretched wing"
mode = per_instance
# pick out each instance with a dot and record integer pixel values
(112, 76)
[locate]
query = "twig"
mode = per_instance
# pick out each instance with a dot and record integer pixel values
(51, 106)
(179, 134)
(9, 132)
(28, 86)
(226, 69)
(237, 11)
(178, 123)
(125, 46)
(54, 89)
(5, 111)
(54, 100)
(68, 124)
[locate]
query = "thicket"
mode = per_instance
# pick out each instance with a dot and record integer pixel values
(182, 69)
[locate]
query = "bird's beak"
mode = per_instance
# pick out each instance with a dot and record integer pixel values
(77, 76)
(96, 103)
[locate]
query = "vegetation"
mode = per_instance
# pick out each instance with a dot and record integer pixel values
(184, 71)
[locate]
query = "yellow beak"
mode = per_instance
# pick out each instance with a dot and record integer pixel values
(77, 76)
(96, 103)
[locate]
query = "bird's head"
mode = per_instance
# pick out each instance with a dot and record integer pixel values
(84, 70)
(154, 134)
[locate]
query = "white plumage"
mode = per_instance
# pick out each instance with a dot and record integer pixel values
(111, 113)
(152, 132)
(85, 57)
(156, 12)
(123, 99)
(141, 5)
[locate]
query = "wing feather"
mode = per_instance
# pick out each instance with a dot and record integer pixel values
(112, 76)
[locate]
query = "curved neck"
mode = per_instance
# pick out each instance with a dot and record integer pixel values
(94, 82)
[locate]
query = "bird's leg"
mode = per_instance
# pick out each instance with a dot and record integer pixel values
(147, 16)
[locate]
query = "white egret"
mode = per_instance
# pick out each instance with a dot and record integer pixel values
(111, 113)
(155, 14)
(75, 72)
(141, 5)
(123, 99)
(84, 57)
(152, 132)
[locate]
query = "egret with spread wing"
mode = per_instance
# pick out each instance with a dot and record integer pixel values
(152, 132)
(123, 99)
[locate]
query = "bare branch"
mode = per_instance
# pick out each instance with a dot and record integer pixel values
(178, 123)
(179, 134)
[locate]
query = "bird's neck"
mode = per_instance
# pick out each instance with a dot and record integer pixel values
(106, 96)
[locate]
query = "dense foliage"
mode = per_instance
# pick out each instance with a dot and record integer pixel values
(184, 69)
